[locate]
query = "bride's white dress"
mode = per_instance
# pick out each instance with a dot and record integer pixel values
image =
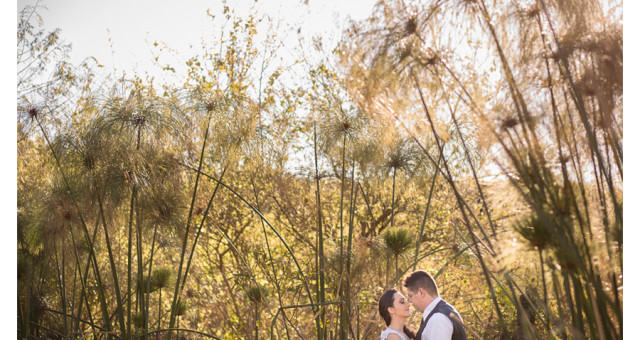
(386, 332)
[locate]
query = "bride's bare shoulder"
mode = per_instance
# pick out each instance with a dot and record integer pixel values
(393, 337)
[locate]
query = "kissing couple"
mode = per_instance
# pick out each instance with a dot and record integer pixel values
(440, 321)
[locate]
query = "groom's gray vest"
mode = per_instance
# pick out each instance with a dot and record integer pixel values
(446, 309)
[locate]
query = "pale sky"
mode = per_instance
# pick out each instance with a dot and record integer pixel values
(134, 25)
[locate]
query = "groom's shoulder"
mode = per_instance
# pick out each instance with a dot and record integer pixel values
(446, 308)
(447, 304)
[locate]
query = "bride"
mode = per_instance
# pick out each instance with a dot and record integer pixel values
(394, 310)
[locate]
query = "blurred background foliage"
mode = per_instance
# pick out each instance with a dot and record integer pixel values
(478, 140)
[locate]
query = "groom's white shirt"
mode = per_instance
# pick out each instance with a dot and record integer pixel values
(439, 326)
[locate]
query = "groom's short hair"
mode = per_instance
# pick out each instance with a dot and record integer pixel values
(421, 279)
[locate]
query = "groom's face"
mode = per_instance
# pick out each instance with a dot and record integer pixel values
(417, 298)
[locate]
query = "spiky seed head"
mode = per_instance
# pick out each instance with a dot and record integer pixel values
(509, 123)
(181, 308)
(82, 245)
(411, 26)
(346, 126)
(161, 277)
(129, 176)
(396, 161)
(67, 215)
(536, 231)
(567, 257)
(140, 120)
(138, 320)
(562, 207)
(89, 162)
(533, 11)
(255, 294)
(397, 240)
(455, 247)
(210, 106)
(147, 282)
(33, 112)
(400, 155)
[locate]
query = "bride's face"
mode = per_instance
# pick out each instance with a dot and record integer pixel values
(400, 306)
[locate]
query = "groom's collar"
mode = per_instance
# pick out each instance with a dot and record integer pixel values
(430, 307)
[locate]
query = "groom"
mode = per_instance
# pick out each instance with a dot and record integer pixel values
(437, 322)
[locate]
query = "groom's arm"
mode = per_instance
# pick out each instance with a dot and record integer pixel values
(439, 327)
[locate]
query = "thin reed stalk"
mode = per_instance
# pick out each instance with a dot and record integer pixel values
(60, 280)
(178, 288)
(313, 305)
(204, 217)
(139, 287)
(393, 195)
(83, 278)
(184, 330)
(148, 282)
(582, 112)
(544, 287)
(129, 254)
(102, 298)
(341, 307)
(97, 329)
(273, 267)
(116, 285)
(426, 213)
(352, 199)
(461, 206)
(472, 166)
(286, 245)
(134, 191)
(320, 233)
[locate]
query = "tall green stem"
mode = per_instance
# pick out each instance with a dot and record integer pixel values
(426, 212)
(129, 257)
(148, 283)
(273, 267)
(352, 200)
(83, 279)
(60, 279)
(461, 203)
(114, 273)
(257, 316)
(96, 269)
(282, 240)
(178, 288)
(64, 289)
(320, 266)
(544, 287)
(130, 242)
(204, 217)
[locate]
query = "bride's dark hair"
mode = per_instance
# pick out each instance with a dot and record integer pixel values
(385, 302)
